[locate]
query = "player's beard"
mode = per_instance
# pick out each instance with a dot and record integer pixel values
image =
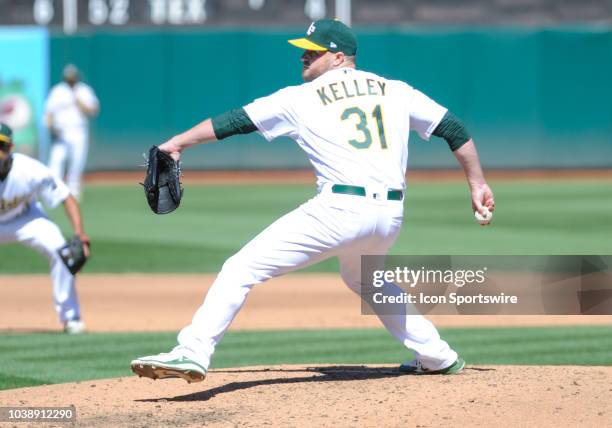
(309, 75)
(5, 166)
(305, 75)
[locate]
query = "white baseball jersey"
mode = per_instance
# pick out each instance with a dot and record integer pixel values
(22, 220)
(27, 181)
(69, 153)
(62, 105)
(354, 127)
(352, 124)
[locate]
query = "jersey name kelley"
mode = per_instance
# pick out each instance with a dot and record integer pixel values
(346, 89)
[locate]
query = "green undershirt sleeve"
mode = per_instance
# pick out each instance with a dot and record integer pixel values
(233, 122)
(453, 131)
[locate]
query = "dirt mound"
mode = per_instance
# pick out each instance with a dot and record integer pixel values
(340, 396)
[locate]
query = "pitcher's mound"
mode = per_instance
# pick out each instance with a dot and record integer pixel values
(340, 396)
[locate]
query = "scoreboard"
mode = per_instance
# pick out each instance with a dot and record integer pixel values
(73, 15)
(85, 13)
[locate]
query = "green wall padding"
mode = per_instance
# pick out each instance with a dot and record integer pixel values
(530, 97)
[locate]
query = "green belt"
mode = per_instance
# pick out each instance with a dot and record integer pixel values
(392, 195)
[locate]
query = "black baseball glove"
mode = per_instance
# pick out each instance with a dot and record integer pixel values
(162, 184)
(73, 254)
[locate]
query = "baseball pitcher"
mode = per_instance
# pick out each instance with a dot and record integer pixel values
(69, 107)
(23, 181)
(354, 127)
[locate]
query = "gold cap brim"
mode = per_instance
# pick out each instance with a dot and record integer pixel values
(306, 44)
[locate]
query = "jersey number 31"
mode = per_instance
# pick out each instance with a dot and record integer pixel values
(362, 126)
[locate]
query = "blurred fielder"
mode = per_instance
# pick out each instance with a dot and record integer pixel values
(69, 107)
(23, 180)
(354, 127)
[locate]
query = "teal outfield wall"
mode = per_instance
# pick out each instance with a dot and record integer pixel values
(530, 97)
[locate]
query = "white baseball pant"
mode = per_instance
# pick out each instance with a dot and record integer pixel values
(69, 155)
(328, 225)
(36, 231)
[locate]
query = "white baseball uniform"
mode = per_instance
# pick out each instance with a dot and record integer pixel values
(354, 127)
(72, 128)
(23, 220)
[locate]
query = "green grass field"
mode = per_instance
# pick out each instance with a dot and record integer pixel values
(213, 222)
(36, 359)
(552, 217)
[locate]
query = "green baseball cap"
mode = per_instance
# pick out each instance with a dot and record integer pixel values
(6, 134)
(328, 35)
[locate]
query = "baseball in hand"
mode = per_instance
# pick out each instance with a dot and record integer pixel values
(485, 219)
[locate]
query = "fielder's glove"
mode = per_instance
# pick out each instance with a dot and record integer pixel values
(162, 183)
(73, 254)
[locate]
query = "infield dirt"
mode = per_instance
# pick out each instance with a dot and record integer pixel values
(327, 395)
(166, 302)
(306, 176)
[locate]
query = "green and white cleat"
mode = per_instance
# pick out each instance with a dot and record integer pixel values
(414, 367)
(169, 365)
(75, 326)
